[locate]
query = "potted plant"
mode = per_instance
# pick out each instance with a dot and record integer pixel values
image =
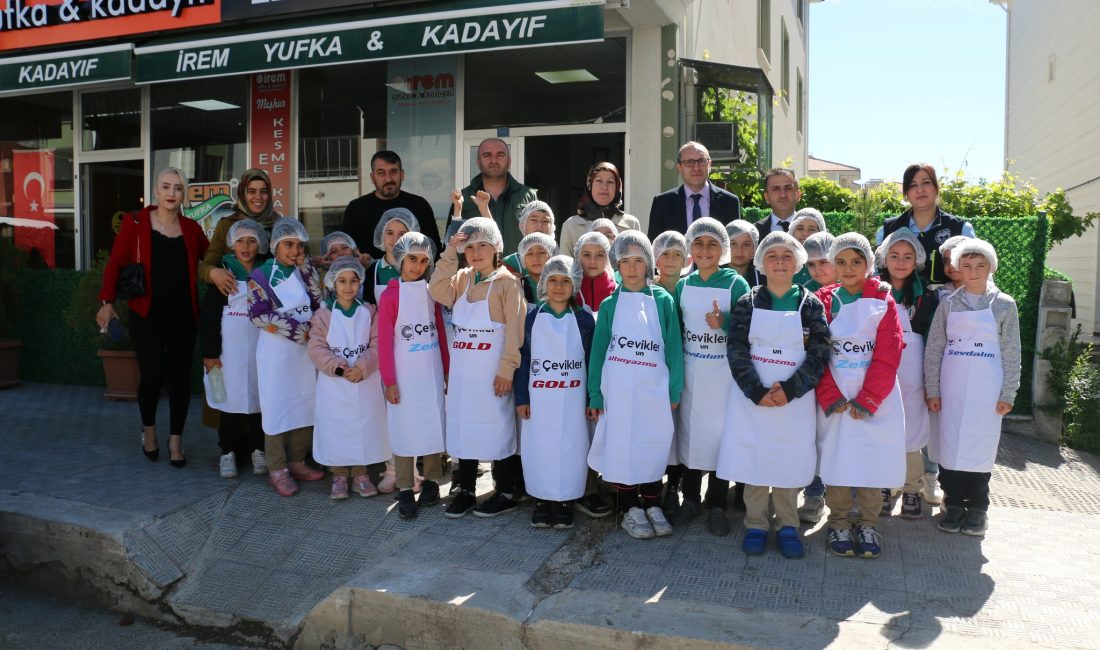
(120, 367)
(11, 259)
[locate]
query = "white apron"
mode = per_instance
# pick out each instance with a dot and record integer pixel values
(238, 357)
(480, 425)
(970, 387)
(555, 438)
(287, 378)
(911, 381)
(707, 380)
(868, 452)
(416, 423)
(379, 286)
(350, 425)
(767, 445)
(633, 437)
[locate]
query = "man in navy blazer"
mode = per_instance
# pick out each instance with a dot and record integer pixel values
(696, 198)
(782, 194)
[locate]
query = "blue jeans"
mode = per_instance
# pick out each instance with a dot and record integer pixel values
(929, 466)
(815, 489)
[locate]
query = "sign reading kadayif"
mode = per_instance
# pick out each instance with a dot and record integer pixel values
(270, 134)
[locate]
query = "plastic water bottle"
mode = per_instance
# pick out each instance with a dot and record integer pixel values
(217, 385)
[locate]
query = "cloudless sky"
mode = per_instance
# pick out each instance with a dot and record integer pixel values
(893, 82)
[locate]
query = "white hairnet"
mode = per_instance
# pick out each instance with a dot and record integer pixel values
(812, 214)
(339, 266)
(633, 243)
(287, 228)
(708, 227)
(972, 246)
(247, 228)
(739, 227)
(537, 239)
(556, 265)
(671, 240)
(481, 229)
(537, 206)
(952, 242)
(334, 237)
(818, 244)
(414, 242)
(856, 241)
(596, 238)
(900, 235)
(604, 222)
(782, 240)
(394, 214)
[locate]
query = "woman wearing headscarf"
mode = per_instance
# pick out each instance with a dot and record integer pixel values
(253, 202)
(603, 197)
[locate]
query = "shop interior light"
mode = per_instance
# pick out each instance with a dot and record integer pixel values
(566, 76)
(210, 105)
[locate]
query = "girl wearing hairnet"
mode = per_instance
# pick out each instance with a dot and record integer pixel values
(819, 271)
(637, 361)
(706, 297)
(804, 224)
(228, 342)
(283, 293)
(394, 223)
(534, 250)
(488, 310)
(603, 198)
(551, 392)
(592, 270)
(778, 348)
(861, 430)
(536, 216)
(899, 260)
(350, 432)
(253, 202)
(413, 360)
(743, 240)
(671, 252)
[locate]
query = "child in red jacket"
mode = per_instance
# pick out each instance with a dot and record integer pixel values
(861, 429)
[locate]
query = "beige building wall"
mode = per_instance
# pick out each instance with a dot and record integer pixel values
(1052, 121)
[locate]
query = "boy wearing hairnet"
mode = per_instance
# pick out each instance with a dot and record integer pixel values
(394, 223)
(350, 430)
(283, 294)
(804, 224)
(534, 250)
(228, 342)
(636, 364)
(744, 238)
(671, 252)
(536, 216)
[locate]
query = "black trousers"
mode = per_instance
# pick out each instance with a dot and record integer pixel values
(717, 489)
(965, 489)
(240, 432)
(627, 496)
(164, 344)
(504, 473)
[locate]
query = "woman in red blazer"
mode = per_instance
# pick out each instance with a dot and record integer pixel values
(168, 246)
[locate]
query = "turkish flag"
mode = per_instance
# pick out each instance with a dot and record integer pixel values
(33, 200)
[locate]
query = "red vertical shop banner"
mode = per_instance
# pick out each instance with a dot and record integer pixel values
(270, 134)
(32, 199)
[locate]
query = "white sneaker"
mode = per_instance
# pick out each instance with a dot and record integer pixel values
(227, 465)
(259, 463)
(661, 527)
(931, 491)
(637, 525)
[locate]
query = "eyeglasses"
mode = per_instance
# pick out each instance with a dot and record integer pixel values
(695, 162)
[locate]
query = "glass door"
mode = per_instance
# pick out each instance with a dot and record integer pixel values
(108, 191)
(469, 161)
(557, 165)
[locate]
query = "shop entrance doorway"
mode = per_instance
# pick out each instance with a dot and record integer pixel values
(557, 165)
(108, 191)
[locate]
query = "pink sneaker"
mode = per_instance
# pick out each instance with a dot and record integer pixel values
(363, 486)
(302, 472)
(339, 488)
(281, 481)
(388, 484)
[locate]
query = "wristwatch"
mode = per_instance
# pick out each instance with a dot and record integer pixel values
(339, 371)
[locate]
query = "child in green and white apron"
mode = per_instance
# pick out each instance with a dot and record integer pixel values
(671, 251)
(350, 430)
(744, 237)
(534, 250)
(536, 216)
(971, 374)
(636, 365)
(804, 224)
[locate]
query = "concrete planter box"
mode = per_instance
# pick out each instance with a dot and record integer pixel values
(9, 363)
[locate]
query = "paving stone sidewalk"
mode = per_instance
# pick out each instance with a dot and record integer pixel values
(189, 546)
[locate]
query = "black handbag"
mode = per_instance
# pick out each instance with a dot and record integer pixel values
(131, 278)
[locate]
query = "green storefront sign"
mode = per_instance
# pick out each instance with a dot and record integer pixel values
(65, 69)
(386, 38)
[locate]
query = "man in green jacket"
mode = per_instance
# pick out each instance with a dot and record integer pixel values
(494, 193)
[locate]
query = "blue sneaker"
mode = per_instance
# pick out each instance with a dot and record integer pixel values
(869, 542)
(790, 543)
(840, 542)
(755, 541)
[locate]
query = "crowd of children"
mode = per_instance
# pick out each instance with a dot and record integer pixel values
(801, 362)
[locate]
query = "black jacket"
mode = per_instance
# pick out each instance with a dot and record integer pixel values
(669, 212)
(943, 228)
(362, 215)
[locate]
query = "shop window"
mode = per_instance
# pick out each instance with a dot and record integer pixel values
(36, 177)
(764, 28)
(111, 120)
(582, 83)
(785, 64)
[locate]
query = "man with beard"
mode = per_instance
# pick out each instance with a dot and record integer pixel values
(362, 214)
(494, 193)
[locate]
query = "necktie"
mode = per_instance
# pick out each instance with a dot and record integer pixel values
(696, 211)
(785, 225)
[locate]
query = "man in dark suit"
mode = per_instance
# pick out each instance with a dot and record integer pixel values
(695, 199)
(782, 194)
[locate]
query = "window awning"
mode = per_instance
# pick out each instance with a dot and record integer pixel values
(469, 29)
(67, 68)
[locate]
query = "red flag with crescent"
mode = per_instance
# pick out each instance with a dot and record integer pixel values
(33, 200)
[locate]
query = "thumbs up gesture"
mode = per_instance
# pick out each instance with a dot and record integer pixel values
(714, 317)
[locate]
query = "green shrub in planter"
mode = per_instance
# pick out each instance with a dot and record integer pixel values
(80, 314)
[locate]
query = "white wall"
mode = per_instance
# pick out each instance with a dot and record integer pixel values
(1052, 123)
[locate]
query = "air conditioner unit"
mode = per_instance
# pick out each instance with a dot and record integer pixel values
(720, 138)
